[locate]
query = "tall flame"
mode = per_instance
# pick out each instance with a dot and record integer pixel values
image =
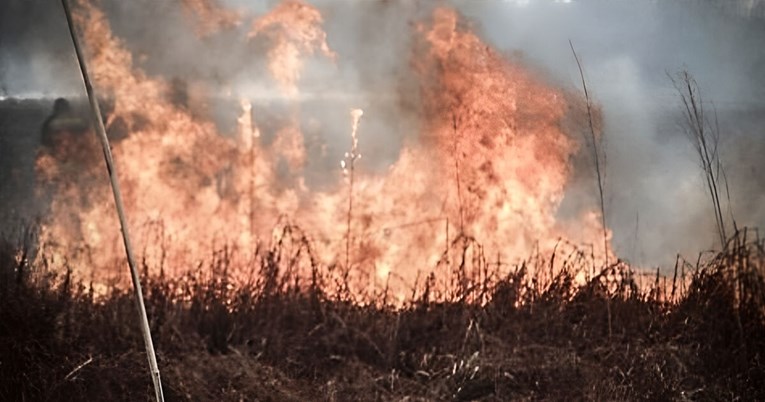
(491, 163)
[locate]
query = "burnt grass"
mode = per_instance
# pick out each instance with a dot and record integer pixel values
(276, 338)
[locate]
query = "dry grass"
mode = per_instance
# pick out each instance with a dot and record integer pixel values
(278, 337)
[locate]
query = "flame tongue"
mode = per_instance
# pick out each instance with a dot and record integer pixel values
(210, 17)
(294, 29)
(498, 132)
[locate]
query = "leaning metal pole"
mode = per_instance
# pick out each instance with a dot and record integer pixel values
(101, 131)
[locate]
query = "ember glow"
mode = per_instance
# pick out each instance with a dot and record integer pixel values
(490, 166)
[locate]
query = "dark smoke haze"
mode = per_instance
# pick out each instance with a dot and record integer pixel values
(656, 200)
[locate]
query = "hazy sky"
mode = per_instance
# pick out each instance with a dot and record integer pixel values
(655, 196)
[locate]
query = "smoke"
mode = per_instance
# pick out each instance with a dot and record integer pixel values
(656, 204)
(36, 58)
(656, 200)
(372, 40)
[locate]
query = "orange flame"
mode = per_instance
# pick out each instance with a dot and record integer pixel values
(491, 164)
(210, 17)
(294, 28)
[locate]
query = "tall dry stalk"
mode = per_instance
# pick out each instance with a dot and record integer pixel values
(705, 138)
(599, 158)
(455, 152)
(112, 172)
(349, 166)
(248, 137)
(598, 155)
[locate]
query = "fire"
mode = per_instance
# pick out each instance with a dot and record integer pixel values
(210, 17)
(498, 131)
(295, 30)
(490, 166)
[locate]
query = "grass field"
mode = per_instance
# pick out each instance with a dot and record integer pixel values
(276, 338)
